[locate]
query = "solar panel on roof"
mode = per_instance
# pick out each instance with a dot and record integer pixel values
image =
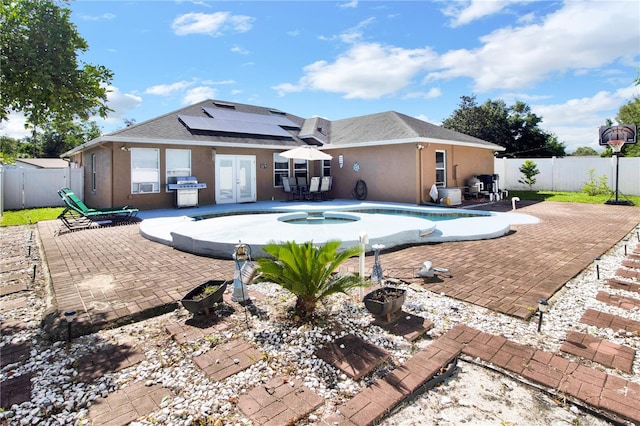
(233, 126)
(227, 114)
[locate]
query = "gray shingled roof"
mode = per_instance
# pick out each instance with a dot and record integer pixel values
(391, 125)
(381, 128)
(168, 127)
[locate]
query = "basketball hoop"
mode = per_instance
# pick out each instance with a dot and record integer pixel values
(615, 144)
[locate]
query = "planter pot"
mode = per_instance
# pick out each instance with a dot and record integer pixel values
(199, 301)
(385, 303)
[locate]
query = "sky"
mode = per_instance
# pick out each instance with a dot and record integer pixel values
(573, 62)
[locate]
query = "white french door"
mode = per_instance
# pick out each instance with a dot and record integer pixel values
(235, 179)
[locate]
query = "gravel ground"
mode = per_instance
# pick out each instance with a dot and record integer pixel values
(474, 395)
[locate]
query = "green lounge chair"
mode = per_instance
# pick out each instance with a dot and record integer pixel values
(77, 215)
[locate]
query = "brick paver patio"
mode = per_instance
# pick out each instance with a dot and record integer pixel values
(617, 300)
(113, 276)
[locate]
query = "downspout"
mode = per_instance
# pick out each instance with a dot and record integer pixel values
(420, 147)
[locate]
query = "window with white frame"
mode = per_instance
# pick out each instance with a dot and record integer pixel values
(280, 169)
(300, 168)
(178, 164)
(441, 169)
(145, 170)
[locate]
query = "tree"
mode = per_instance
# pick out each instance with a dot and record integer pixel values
(516, 128)
(40, 74)
(52, 142)
(307, 272)
(9, 149)
(629, 113)
(529, 170)
(584, 151)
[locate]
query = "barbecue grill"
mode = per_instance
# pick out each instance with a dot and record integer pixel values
(186, 188)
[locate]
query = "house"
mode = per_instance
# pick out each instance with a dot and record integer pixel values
(41, 163)
(234, 149)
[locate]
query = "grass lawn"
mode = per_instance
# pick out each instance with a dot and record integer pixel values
(27, 216)
(570, 197)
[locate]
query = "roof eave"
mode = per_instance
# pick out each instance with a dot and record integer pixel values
(488, 145)
(107, 139)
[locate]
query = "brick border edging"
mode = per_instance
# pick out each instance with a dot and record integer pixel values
(604, 394)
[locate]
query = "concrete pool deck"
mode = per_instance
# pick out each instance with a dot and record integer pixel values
(217, 237)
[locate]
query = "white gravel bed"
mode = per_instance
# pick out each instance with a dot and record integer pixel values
(474, 395)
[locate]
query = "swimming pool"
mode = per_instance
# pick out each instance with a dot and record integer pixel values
(216, 231)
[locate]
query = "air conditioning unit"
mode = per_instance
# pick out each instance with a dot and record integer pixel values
(145, 187)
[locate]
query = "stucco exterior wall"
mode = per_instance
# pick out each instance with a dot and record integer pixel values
(397, 173)
(389, 172)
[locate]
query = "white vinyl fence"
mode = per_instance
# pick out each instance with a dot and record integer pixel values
(24, 188)
(571, 173)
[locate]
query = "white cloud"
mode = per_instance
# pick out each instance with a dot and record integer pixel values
(465, 12)
(167, 89)
(423, 117)
(352, 4)
(104, 16)
(198, 94)
(240, 50)
(13, 126)
(121, 104)
(576, 121)
(431, 94)
(365, 71)
(351, 35)
(579, 36)
(213, 24)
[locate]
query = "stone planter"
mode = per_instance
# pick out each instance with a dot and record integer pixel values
(385, 303)
(204, 297)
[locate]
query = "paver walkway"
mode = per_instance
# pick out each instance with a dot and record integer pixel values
(606, 320)
(127, 404)
(574, 380)
(599, 350)
(281, 401)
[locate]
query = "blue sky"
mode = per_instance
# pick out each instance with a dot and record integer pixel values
(573, 62)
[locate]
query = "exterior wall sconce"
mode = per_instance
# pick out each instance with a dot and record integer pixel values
(420, 147)
(597, 261)
(543, 306)
(263, 165)
(341, 160)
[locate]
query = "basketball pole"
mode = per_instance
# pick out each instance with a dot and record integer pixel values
(616, 151)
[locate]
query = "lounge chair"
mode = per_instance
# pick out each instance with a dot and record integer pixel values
(77, 215)
(290, 190)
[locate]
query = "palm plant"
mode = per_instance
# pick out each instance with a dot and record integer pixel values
(307, 271)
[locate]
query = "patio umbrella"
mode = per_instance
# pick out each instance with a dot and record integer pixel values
(306, 152)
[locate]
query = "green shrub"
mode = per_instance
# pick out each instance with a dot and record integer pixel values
(307, 271)
(596, 186)
(529, 170)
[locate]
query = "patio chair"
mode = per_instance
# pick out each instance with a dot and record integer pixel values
(77, 215)
(325, 186)
(314, 189)
(290, 190)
